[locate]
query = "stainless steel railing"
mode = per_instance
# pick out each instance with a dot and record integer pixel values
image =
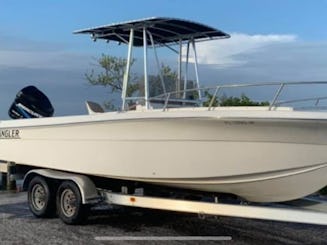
(176, 96)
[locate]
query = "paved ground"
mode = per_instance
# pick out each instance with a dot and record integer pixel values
(19, 226)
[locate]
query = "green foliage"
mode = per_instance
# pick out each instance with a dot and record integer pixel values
(232, 101)
(242, 101)
(112, 73)
(169, 76)
(209, 99)
(111, 76)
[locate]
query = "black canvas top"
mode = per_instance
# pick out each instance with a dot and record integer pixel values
(163, 30)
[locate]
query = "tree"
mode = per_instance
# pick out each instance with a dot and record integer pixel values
(169, 77)
(232, 101)
(210, 98)
(111, 76)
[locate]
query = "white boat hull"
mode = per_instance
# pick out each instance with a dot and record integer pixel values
(264, 159)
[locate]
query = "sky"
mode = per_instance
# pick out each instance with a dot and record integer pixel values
(280, 40)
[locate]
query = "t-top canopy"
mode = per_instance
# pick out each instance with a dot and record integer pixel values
(163, 30)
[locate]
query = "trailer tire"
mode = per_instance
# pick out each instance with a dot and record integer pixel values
(41, 198)
(70, 208)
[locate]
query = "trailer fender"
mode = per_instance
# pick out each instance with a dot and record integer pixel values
(86, 186)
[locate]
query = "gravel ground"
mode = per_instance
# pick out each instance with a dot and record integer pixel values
(19, 226)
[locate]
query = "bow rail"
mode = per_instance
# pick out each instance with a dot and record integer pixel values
(174, 98)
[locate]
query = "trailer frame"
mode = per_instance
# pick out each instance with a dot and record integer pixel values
(309, 211)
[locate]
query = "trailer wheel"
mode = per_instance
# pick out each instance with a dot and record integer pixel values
(41, 198)
(70, 208)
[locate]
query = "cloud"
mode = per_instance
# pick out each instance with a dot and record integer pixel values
(293, 61)
(67, 90)
(62, 60)
(15, 43)
(225, 53)
(25, 53)
(54, 68)
(261, 58)
(59, 70)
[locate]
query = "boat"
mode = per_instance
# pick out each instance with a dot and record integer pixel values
(268, 153)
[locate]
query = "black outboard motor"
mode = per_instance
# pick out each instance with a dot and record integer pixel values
(30, 103)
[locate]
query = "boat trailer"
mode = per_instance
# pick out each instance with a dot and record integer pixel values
(86, 193)
(283, 213)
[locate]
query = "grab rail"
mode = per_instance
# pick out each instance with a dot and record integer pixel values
(174, 95)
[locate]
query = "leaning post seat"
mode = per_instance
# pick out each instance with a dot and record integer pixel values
(30, 102)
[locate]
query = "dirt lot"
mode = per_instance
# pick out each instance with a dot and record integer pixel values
(19, 226)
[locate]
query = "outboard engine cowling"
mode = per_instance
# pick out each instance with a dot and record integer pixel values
(30, 103)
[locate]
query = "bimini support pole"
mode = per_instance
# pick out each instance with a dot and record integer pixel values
(179, 78)
(186, 68)
(128, 67)
(196, 69)
(158, 64)
(145, 54)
